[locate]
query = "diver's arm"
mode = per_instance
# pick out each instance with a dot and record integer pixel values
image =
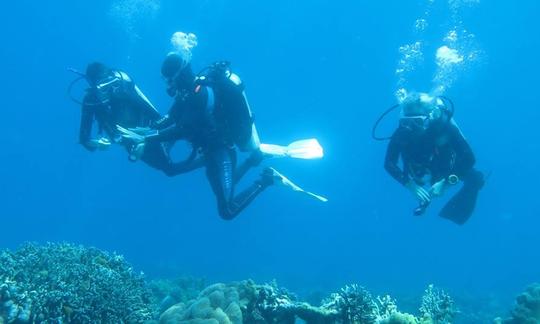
(172, 117)
(167, 127)
(163, 123)
(193, 162)
(167, 135)
(394, 151)
(465, 158)
(391, 161)
(167, 132)
(85, 130)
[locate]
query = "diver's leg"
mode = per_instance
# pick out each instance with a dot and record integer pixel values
(220, 164)
(220, 169)
(153, 156)
(252, 161)
(157, 156)
(250, 144)
(244, 198)
(176, 168)
(461, 206)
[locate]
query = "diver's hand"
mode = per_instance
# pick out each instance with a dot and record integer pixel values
(420, 193)
(136, 152)
(143, 130)
(131, 135)
(438, 188)
(101, 144)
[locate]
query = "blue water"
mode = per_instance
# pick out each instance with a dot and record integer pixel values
(318, 68)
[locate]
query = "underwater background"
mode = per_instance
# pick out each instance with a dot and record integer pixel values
(321, 69)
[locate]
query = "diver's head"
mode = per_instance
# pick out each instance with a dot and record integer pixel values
(421, 110)
(177, 72)
(417, 104)
(96, 72)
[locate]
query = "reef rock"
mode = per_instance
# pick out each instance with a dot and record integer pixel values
(527, 309)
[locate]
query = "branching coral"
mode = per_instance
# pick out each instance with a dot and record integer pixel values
(352, 304)
(437, 306)
(68, 283)
(277, 305)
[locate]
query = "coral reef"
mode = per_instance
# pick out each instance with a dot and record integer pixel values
(169, 292)
(62, 283)
(65, 283)
(400, 318)
(244, 302)
(247, 302)
(277, 305)
(353, 304)
(527, 309)
(218, 303)
(437, 306)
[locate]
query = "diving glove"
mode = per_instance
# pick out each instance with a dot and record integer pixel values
(136, 135)
(146, 131)
(136, 152)
(421, 194)
(438, 188)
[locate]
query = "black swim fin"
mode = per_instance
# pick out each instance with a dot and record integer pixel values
(461, 206)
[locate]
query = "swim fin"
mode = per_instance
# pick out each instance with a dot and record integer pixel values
(461, 206)
(280, 179)
(303, 149)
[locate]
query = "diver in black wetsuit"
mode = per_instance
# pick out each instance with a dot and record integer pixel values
(113, 99)
(212, 113)
(433, 151)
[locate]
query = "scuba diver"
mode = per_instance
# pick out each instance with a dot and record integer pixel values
(114, 99)
(434, 154)
(210, 111)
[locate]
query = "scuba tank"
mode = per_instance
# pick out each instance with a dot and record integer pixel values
(231, 107)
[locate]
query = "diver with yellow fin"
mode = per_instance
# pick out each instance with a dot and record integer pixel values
(211, 112)
(434, 154)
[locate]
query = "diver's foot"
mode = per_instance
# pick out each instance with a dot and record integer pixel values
(269, 177)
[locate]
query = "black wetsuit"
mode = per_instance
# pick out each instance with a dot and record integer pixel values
(122, 103)
(439, 151)
(197, 116)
